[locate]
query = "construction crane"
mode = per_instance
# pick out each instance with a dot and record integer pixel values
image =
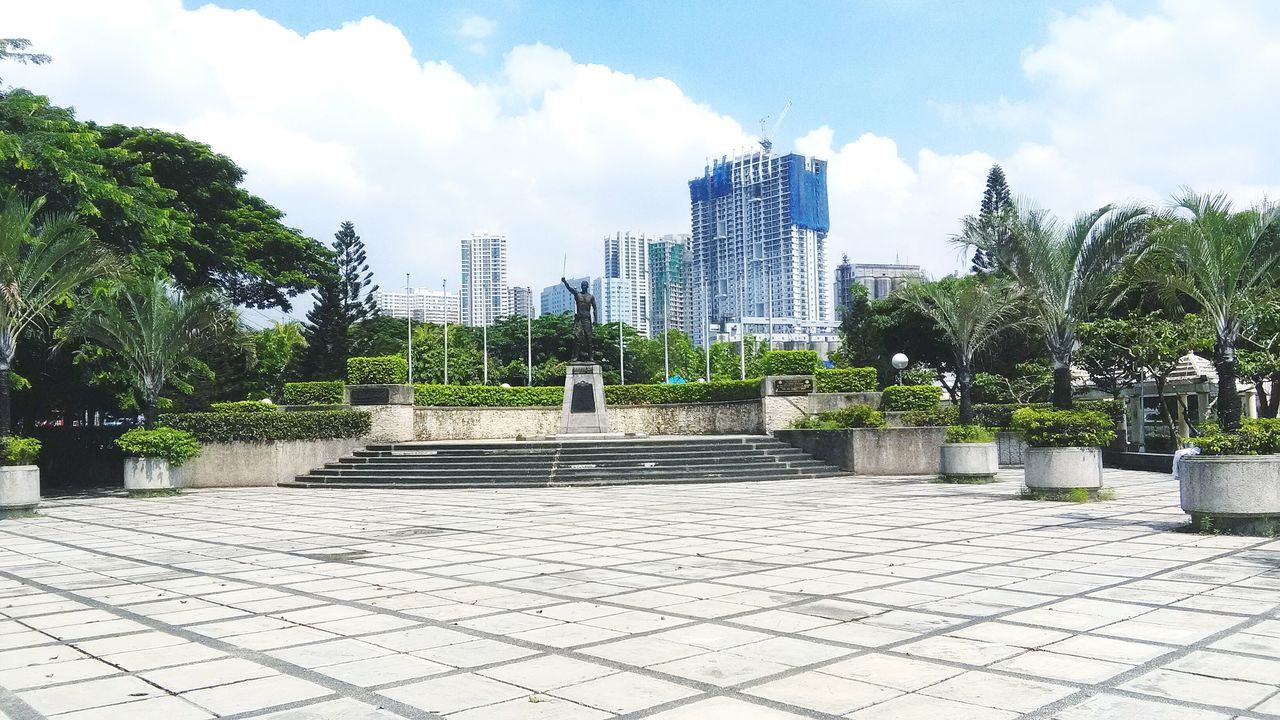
(765, 143)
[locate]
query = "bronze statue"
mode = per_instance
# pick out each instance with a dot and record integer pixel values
(584, 319)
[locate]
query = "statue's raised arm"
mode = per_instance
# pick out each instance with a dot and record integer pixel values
(569, 287)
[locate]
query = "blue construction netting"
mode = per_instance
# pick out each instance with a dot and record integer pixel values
(699, 190)
(721, 180)
(808, 194)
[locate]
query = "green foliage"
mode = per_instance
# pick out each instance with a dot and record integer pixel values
(861, 341)
(1028, 382)
(343, 298)
(487, 396)
(1000, 415)
(787, 362)
(812, 422)
(720, 391)
(16, 450)
(320, 392)
(1255, 437)
(938, 417)
(846, 380)
(1064, 428)
(276, 350)
(854, 416)
(166, 443)
(1113, 409)
(244, 406)
(385, 370)
(240, 427)
(910, 397)
(969, 434)
(919, 375)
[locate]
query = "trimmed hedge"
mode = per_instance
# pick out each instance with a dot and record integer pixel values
(847, 380)
(16, 450)
(1064, 428)
(166, 443)
(384, 370)
(1000, 415)
(1259, 436)
(911, 397)
(240, 427)
(969, 434)
(486, 396)
(852, 417)
(788, 362)
(244, 406)
(682, 393)
(938, 417)
(323, 392)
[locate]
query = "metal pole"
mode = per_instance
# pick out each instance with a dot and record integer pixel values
(706, 326)
(484, 334)
(528, 319)
(408, 292)
(742, 313)
(444, 285)
(666, 332)
(622, 360)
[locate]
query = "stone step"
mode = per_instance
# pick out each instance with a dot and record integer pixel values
(781, 453)
(566, 470)
(518, 482)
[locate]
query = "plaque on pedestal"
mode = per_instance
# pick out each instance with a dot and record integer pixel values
(583, 408)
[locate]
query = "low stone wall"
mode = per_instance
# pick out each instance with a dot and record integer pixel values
(1010, 447)
(892, 451)
(1151, 462)
(257, 464)
(743, 417)
(821, 402)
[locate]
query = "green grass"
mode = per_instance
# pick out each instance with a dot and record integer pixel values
(19, 514)
(966, 479)
(1267, 527)
(1075, 495)
(158, 492)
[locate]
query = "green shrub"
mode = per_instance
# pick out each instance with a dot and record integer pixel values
(847, 380)
(787, 362)
(811, 422)
(722, 391)
(938, 417)
(1113, 409)
(969, 434)
(385, 370)
(324, 392)
(16, 450)
(1064, 428)
(1000, 415)
(486, 396)
(244, 406)
(911, 397)
(166, 443)
(233, 427)
(854, 416)
(1255, 437)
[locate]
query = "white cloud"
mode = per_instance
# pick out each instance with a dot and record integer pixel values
(354, 123)
(478, 30)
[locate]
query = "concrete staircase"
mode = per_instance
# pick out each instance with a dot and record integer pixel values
(548, 463)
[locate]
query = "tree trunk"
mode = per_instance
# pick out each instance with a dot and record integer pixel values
(1224, 360)
(1062, 385)
(1272, 407)
(149, 412)
(1261, 401)
(1165, 413)
(5, 420)
(964, 382)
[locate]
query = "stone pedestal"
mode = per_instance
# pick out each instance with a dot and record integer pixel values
(583, 408)
(150, 473)
(391, 408)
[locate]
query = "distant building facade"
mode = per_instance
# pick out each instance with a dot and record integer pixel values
(520, 302)
(555, 300)
(422, 304)
(484, 297)
(882, 279)
(624, 294)
(668, 284)
(758, 251)
(843, 285)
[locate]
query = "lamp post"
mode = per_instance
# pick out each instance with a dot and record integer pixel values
(899, 362)
(444, 286)
(666, 351)
(528, 329)
(706, 327)
(408, 292)
(622, 360)
(484, 335)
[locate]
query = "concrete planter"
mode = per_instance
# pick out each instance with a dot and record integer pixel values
(1234, 492)
(149, 473)
(19, 488)
(891, 451)
(1011, 447)
(1063, 468)
(969, 461)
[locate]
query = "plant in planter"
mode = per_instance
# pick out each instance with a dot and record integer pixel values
(19, 476)
(154, 455)
(969, 455)
(853, 417)
(1234, 484)
(1064, 453)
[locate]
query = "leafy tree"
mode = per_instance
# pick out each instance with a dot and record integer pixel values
(275, 349)
(1259, 357)
(1065, 270)
(15, 49)
(1158, 345)
(861, 344)
(996, 200)
(42, 262)
(154, 330)
(905, 329)
(970, 314)
(1106, 353)
(1029, 382)
(1219, 258)
(343, 299)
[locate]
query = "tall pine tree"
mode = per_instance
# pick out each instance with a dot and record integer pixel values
(343, 299)
(996, 198)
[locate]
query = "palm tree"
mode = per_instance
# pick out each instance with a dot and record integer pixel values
(1064, 270)
(1219, 259)
(153, 329)
(42, 261)
(970, 313)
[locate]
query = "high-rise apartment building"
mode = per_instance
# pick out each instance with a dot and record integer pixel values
(520, 302)
(843, 285)
(555, 300)
(882, 279)
(624, 287)
(668, 275)
(758, 250)
(484, 298)
(422, 304)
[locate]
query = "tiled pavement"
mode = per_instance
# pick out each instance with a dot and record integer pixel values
(857, 598)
